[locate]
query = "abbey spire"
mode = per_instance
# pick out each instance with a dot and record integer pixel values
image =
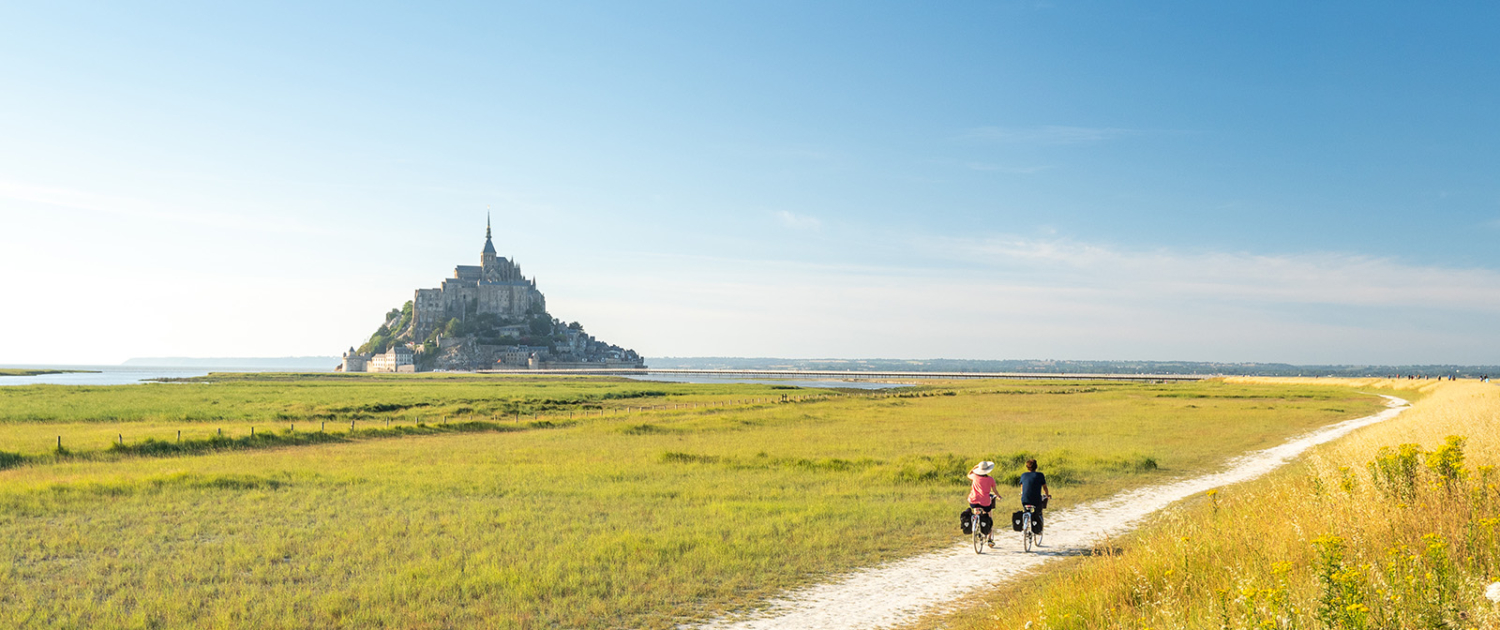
(489, 246)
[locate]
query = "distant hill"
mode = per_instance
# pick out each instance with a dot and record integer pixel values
(1069, 367)
(318, 364)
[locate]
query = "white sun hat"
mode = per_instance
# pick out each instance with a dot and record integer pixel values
(984, 468)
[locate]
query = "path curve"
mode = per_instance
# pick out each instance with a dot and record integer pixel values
(902, 591)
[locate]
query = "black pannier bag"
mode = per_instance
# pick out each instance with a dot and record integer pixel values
(1015, 520)
(986, 524)
(1036, 523)
(966, 521)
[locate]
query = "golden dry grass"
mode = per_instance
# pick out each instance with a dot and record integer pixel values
(1338, 541)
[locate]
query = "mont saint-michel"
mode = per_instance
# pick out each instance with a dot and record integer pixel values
(487, 316)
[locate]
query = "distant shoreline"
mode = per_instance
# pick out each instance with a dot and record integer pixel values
(321, 364)
(1206, 368)
(40, 372)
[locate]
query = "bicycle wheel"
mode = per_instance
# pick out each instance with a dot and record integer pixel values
(1026, 534)
(978, 536)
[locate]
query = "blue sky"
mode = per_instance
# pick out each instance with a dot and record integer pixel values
(1300, 182)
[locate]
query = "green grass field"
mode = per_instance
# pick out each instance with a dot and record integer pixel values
(93, 418)
(680, 502)
(38, 371)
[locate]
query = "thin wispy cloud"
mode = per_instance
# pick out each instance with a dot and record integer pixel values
(798, 221)
(139, 209)
(806, 153)
(1049, 134)
(1014, 170)
(1308, 278)
(1059, 299)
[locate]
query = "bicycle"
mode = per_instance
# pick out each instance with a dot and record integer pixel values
(1028, 538)
(981, 539)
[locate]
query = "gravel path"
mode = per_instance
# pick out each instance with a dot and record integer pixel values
(902, 591)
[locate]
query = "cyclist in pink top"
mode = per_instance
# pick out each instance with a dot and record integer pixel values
(982, 488)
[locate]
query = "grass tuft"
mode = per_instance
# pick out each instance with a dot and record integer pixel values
(645, 429)
(671, 457)
(11, 460)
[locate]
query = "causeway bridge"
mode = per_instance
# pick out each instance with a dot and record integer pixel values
(861, 375)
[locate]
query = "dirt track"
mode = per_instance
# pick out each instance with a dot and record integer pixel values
(903, 591)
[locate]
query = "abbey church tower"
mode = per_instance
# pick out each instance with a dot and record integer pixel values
(495, 286)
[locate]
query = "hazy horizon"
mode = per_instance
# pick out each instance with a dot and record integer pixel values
(330, 361)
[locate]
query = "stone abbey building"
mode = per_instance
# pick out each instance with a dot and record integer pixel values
(495, 286)
(487, 316)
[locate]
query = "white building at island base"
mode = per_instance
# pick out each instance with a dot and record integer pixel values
(397, 359)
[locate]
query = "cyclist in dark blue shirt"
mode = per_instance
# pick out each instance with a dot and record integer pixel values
(1034, 490)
